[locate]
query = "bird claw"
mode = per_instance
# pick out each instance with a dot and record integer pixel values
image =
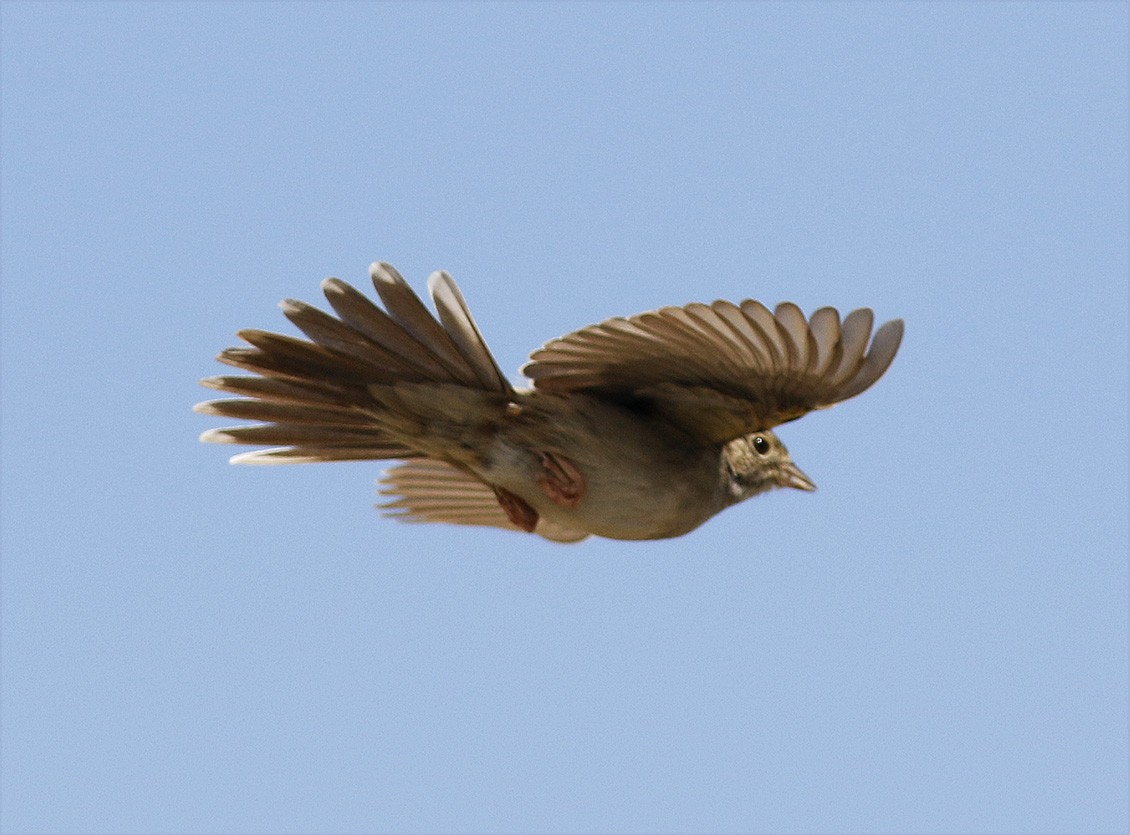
(517, 510)
(561, 481)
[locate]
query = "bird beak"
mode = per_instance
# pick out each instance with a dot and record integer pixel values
(789, 475)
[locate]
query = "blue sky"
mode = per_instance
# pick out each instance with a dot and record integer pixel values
(936, 640)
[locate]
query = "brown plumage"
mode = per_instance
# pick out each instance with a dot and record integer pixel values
(635, 428)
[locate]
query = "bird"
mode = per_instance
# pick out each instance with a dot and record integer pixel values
(637, 428)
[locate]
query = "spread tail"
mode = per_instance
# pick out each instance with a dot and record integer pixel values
(313, 398)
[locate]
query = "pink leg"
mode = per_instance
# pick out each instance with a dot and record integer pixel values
(561, 481)
(517, 511)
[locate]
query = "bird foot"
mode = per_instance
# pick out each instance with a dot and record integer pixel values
(517, 511)
(561, 481)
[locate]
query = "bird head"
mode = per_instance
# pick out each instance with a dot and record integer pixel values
(759, 462)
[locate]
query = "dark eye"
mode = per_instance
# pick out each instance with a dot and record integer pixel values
(761, 445)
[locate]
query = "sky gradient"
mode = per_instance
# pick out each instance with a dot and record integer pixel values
(936, 640)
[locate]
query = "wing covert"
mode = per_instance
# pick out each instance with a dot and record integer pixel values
(722, 370)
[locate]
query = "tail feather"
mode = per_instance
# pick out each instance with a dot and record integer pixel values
(311, 415)
(320, 454)
(407, 354)
(409, 312)
(434, 491)
(286, 369)
(456, 318)
(335, 335)
(302, 434)
(316, 362)
(278, 391)
(317, 398)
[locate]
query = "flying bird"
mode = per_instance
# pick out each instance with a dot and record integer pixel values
(636, 428)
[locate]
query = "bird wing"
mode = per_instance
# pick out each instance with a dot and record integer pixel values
(722, 370)
(425, 490)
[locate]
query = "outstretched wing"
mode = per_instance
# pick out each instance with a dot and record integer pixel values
(424, 490)
(722, 370)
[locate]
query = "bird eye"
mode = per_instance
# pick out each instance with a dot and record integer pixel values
(761, 445)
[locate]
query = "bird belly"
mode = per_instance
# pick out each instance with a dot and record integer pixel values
(640, 482)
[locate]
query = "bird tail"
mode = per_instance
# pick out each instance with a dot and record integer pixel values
(321, 400)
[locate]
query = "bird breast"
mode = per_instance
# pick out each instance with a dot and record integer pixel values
(643, 479)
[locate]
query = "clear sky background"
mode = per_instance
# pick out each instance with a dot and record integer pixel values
(936, 640)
